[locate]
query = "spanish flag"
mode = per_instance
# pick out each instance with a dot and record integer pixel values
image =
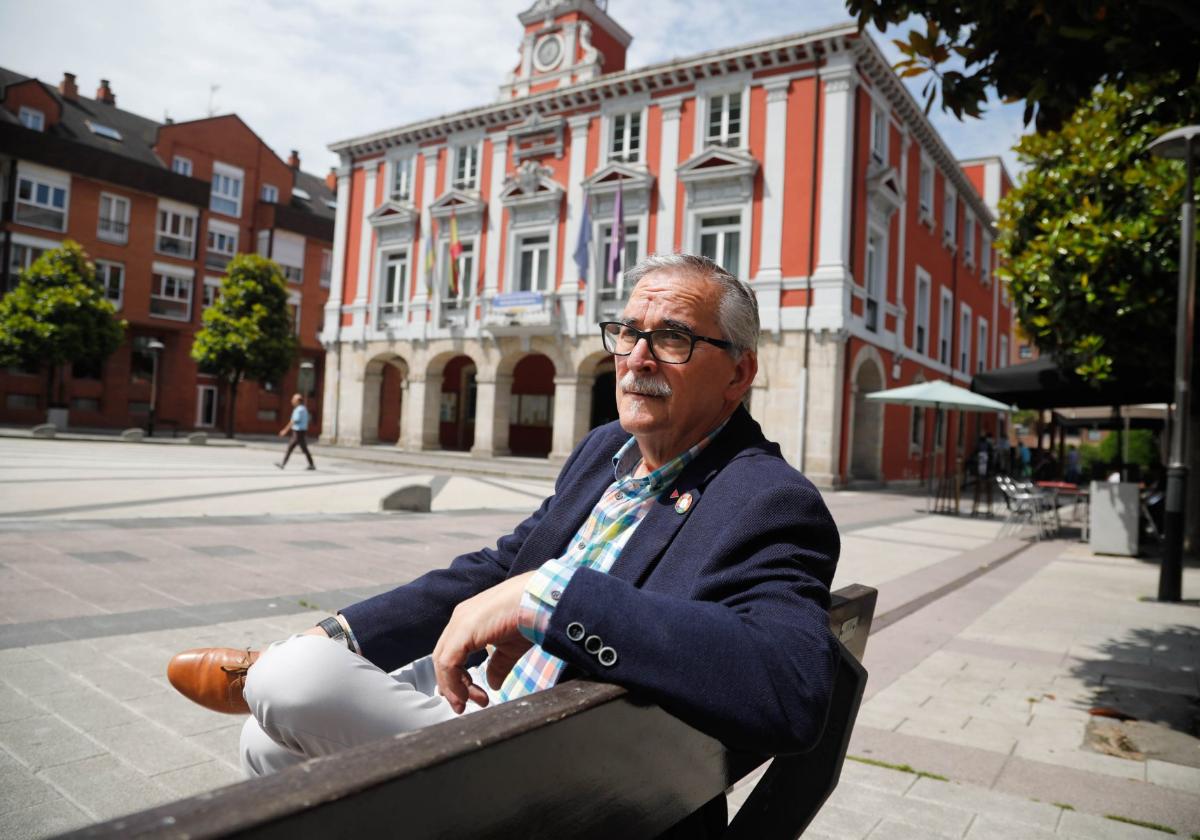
(456, 250)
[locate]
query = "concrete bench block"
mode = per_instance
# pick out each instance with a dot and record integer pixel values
(198, 438)
(133, 435)
(45, 430)
(414, 497)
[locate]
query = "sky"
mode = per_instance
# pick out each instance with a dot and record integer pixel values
(306, 73)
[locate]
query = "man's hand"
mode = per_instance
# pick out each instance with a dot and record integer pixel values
(489, 618)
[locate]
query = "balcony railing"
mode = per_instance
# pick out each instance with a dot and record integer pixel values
(176, 246)
(114, 229)
(519, 312)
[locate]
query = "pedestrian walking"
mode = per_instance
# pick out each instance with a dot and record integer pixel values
(983, 474)
(298, 426)
(1026, 460)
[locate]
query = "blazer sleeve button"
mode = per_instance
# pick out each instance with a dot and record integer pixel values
(593, 644)
(607, 657)
(575, 631)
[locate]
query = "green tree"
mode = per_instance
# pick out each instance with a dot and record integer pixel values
(248, 332)
(1052, 54)
(1090, 237)
(56, 315)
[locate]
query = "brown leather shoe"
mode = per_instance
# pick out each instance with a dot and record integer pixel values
(213, 677)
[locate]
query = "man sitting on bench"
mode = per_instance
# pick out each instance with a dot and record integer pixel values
(680, 556)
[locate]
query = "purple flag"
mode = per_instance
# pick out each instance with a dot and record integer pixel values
(616, 248)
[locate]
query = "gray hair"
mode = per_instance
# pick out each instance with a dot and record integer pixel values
(737, 313)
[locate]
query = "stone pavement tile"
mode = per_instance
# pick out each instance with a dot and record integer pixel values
(891, 828)
(881, 716)
(1060, 732)
(36, 678)
(1077, 824)
(998, 828)
(1173, 775)
(15, 706)
(48, 818)
(150, 748)
(963, 736)
(14, 656)
(199, 778)
(937, 819)
(836, 820)
(87, 709)
(107, 787)
(1081, 759)
(1015, 810)
(881, 778)
(45, 602)
(120, 681)
(20, 788)
(175, 712)
(222, 743)
(958, 763)
(68, 655)
(45, 741)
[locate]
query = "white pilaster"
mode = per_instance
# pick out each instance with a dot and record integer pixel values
(664, 240)
(341, 219)
(495, 215)
(569, 291)
(362, 292)
(901, 335)
(420, 299)
(771, 235)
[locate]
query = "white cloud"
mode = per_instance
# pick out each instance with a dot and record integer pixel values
(304, 74)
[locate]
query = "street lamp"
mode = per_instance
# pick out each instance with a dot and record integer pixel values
(1180, 144)
(155, 347)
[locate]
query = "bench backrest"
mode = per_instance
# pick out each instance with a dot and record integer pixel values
(584, 759)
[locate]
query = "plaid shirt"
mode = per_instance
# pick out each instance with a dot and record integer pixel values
(596, 546)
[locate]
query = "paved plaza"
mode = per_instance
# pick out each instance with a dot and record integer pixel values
(987, 656)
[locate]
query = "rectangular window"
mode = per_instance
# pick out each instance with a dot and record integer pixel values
(720, 241)
(111, 277)
(270, 193)
(226, 195)
(625, 143)
(964, 339)
(171, 296)
(287, 249)
(724, 120)
(969, 236)
(921, 331)
(402, 179)
(875, 279)
(20, 258)
(395, 269)
(981, 351)
(466, 271)
(466, 166)
(181, 166)
(222, 245)
(269, 414)
(950, 215)
(176, 234)
(206, 406)
(41, 203)
(294, 312)
(89, 405)
(985, 261)
(917, 425)
(926, 196)
(534, 263)
(879, 129)
(114, 218)
(615, 289)
(326, 267)
(212, 291)
(945, 328)
(1003, 360)
(21, 402)
(32, 118)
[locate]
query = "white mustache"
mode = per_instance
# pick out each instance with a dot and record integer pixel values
(649, 386)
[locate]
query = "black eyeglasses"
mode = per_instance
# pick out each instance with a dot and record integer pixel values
(672, 347)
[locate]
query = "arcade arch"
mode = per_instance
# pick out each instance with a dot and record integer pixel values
(385, 379)
(866, 419)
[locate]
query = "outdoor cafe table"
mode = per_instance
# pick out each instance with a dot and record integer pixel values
(1065, 488)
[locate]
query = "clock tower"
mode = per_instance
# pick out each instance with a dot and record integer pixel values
(566, 42)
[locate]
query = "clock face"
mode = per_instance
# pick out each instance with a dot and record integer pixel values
(548, 52)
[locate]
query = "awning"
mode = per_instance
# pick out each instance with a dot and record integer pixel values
(938, 394)
(1149, 416)
(1040, 384)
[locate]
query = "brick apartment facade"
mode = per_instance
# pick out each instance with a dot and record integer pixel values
(161, 209)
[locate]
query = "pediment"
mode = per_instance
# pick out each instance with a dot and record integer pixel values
(717, 162)
(607, 178)
(393, 213)
(884, 190)
(458, 202)
(531, 183)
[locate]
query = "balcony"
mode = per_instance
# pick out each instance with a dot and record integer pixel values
(43, 217)
(175, 246)
(520, 313)
(113, 230)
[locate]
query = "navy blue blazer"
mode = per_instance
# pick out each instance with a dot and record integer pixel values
(717, 613)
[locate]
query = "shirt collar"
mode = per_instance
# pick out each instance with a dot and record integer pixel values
(630, 455)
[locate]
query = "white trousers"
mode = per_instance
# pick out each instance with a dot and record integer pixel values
(310, 696)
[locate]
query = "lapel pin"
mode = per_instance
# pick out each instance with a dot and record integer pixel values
(684, 504)
(674, 494)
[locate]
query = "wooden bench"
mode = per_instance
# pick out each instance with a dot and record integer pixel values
(584, 759)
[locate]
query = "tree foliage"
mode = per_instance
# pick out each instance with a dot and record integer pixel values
(247, 332)
(58, 314)
(1050, 53)
(1090, 235)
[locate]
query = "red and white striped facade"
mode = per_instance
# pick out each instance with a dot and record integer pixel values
(801, 162)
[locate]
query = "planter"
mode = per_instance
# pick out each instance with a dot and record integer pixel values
(57, 416)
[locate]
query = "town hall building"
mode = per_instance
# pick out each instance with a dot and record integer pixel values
(471, 256)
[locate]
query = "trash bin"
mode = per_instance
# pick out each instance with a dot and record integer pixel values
(1113, 519)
